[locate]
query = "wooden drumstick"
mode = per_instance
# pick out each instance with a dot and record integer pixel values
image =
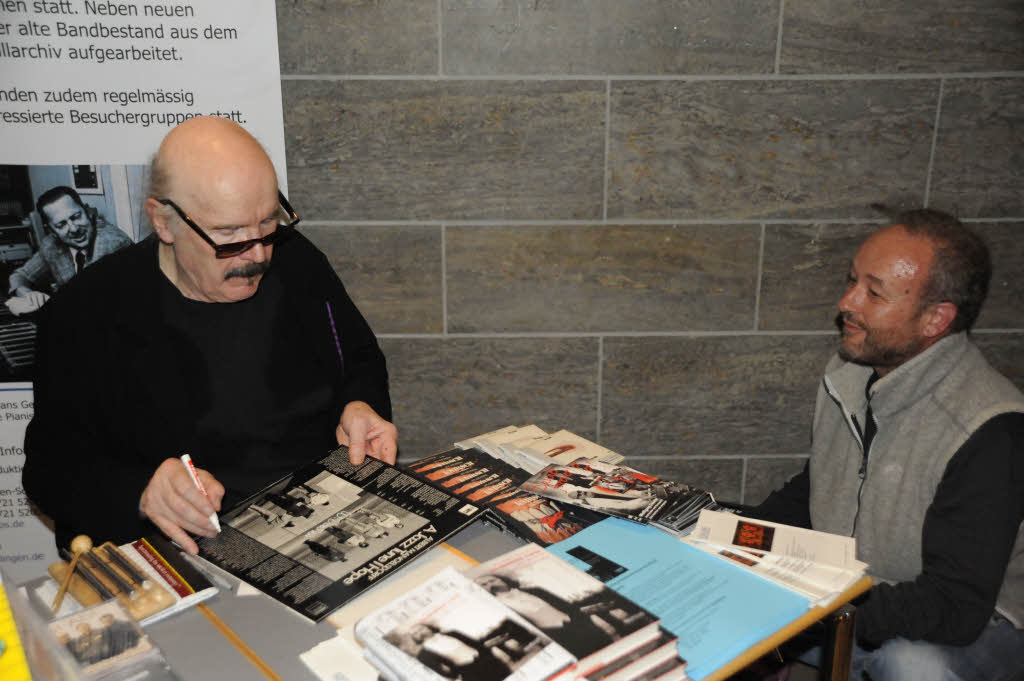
(79, 545)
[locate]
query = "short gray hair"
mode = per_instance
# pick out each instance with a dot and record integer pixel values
(962, 266)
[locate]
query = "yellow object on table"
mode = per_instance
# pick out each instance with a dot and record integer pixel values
(13, 665)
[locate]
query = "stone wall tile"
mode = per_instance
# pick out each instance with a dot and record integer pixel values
(711, 395)
(1003, 308)
(979, 155)
(593, 37)
(601, 278)
(376, 37)
(767, 149)
(434, 150)
(448, 389)
(1003, 351)
(901, 36)
(393, 273)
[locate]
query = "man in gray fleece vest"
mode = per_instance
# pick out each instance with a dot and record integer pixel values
(918, 452)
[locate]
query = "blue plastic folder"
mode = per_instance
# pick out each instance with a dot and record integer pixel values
(717, 609)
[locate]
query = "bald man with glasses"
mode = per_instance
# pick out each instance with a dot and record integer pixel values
(226, 335)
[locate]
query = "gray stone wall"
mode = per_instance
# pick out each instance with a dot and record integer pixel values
(633, 219)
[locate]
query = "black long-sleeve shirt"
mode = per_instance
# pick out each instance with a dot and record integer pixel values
(969, 531)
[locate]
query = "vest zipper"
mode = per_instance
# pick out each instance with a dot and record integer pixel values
(862, 473)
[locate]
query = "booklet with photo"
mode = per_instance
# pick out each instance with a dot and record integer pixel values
(493, 441)
(621, 491)
(817, 564)
(318, 537)
(763, 536)
(531, 448)
(450, 628)
(563, 446)
(341, 657)
(576, 610)
(481, 479)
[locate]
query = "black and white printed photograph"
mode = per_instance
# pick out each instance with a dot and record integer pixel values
(54, 222)
(102, 638)
(469, 639)
(325, 523)
(330, 530)
(577, 611)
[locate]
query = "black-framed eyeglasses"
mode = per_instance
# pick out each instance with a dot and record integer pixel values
(233, 248)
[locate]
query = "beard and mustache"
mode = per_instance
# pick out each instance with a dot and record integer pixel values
(880, 347)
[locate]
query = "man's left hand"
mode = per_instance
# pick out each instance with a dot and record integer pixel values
(365, 433)
(28, 302)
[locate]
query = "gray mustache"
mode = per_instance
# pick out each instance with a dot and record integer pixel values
(248, 270)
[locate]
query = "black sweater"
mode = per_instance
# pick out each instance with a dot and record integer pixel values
(118, 388)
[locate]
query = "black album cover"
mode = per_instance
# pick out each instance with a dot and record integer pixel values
(318, 537)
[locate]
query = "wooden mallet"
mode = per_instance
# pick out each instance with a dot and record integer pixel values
(79, 545)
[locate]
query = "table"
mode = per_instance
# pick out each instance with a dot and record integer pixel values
(198, 651)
